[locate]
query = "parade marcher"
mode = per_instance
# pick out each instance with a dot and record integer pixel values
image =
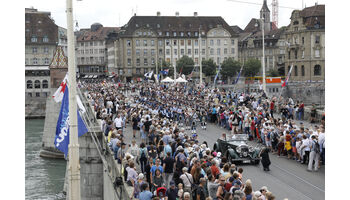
(265, 159)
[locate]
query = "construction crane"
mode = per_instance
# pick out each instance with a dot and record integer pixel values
(274, 5)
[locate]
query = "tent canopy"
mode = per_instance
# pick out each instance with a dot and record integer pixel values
(180, 80)
(167, 80)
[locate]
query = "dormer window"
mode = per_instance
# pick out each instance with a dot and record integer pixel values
(167, 33)
(34, 39)
(45, 39)
(174, 33)
(181, 34)
(196, 33)
(158, 25)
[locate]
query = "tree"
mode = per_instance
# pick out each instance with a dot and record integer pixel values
(273, 73)
(208, 67)
(229, 68)
(251, 67)
(186, 64)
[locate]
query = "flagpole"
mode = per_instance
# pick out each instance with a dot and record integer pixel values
(73, 147)
(240, 71)
(288, 75)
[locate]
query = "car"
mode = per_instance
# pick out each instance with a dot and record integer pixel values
(237, 150)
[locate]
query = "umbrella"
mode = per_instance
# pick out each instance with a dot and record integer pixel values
(167, 80)
(180, 80)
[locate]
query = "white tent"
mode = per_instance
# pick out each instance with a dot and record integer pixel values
(180, 80)
(167, 80)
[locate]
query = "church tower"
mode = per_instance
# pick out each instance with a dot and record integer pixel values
(265, 14)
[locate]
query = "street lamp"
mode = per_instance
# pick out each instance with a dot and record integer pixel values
(263, 52)
(200, 60)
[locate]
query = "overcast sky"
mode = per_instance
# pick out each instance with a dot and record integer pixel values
(117, 13)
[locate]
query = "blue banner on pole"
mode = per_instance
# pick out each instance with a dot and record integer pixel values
(62, 128)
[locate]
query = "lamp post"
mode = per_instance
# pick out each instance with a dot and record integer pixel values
(263, 53)
(171, 53)
(200, 60)
(73, 152)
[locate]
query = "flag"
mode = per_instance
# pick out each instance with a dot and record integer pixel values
(239, 74)
(156, 77)
(62, 127)
(165, 72)
(286, 81)
(58, 96)
(217, 74)
(149, 74)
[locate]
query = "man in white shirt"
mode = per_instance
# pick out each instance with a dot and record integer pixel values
(306, 149)
(118, 122)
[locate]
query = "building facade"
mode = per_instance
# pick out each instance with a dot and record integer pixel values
(144, 40)
(305, 49)
(91, 50)
(251, 42)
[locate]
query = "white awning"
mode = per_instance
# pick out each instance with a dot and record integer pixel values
(37, 67)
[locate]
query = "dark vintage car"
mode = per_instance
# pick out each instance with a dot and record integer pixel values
(237, 150)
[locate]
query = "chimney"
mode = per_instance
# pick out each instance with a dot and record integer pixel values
(195, 14)
(177, 14)
(158, 13)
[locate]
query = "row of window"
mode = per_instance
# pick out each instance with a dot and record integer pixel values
(175, 42)
(37, 94)
(44, 50)
(317, 70)
(37, 73)
(295, 40)
(91, 51)
(36, 61)
(92, 43)
(182, 51)
(37, 84)
(35, 39)
(316, 54)
(91, 60)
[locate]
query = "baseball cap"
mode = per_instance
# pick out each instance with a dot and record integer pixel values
(172, 183)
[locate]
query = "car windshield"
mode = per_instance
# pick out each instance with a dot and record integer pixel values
(239, 137)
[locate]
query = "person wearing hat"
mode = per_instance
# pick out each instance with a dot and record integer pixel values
(172, 191)
(137, 185)
(263, 191)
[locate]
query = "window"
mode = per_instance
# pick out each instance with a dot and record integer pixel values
(35, 61)
(37, 84)
(296, 54)
(45, 84)
(196, 43)
(188, 42)
(218, 42)
(189, 33)
(138, 71)
(29, 94)
(302, 54)
(203, 42)
(152, 52)
(145, 62)
(196, 61)
(152, 42)
(46, 50)
(189, 51)
(218, 60)
(29, 84)
(218, 51)
(167, 52)
(211, 42)
(81, 44)
(91, 43)
(296, 71)
(145, 52)
(152, 60)
(317, 39)
(35, 50)
(167, 33)
(159, 33)
(145, 43)
(302, 70)
(129, 71)
(160, 43)
(46, 61)
(196, 52)
(34, 39)
(302, 40)
(232, 50)
(91, 51)
(87, 51)
(137, 43)
(225, 51)
(232, 42)
(160, 51)
(37, 94)
(195, 33)
(211, 51)
(181, 34)
(129, 52)
(45, 39)
(95, 51)
(203, 51)
(175, 42)
(86, 44)
(129, 61)
(174, 34)
(317, 53)
(158, 25)
(225, 42)
(182, 42)
(128, 43)
(175, 51)
(288, 54)
(138, 52)
(182, 51)
(167, 42)
(317, 70)
(138, 62)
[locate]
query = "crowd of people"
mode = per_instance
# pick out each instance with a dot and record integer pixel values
(170, 161)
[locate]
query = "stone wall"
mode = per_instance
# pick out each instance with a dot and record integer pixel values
(35, 107)
(313, 92)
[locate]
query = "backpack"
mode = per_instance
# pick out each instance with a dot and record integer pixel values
(317, 147)
(143, 154)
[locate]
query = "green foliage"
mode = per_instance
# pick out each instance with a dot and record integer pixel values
(230, 67)
(208, 67)
(273, 73)
(251, 67)
(186, 64)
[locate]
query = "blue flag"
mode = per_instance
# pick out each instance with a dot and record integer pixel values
(239, 74)
(62, 128)
(217, 74)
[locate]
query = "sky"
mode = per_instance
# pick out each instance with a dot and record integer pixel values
(114, 13)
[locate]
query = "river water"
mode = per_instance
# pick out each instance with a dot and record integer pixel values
(44, 177)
